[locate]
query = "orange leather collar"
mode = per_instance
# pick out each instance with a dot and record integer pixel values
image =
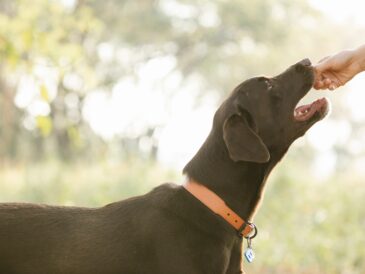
(219, 207)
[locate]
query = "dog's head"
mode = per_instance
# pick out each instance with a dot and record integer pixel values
(260, 119)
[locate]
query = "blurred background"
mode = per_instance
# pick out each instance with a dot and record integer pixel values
(102, 100)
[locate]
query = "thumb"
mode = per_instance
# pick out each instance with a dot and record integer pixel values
(323, 64)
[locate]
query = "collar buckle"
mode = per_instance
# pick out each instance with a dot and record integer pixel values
(247, 230)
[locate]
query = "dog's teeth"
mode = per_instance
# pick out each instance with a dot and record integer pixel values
(300, 112)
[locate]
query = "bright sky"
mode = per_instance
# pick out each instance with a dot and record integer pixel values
(341, 11)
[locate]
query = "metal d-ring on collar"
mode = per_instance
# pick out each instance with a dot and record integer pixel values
(242, 228)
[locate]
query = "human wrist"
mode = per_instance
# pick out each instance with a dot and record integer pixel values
(359, 57)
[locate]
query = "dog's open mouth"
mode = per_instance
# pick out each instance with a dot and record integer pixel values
(306, 112)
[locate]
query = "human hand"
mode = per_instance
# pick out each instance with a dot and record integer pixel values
(336, 70)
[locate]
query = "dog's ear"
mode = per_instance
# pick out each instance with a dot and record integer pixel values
(242, 141)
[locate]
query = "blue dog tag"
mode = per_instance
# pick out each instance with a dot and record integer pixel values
(249, 255)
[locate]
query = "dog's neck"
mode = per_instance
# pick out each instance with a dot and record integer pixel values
(239, 184)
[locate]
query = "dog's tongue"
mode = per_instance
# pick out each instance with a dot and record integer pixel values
(305, 112)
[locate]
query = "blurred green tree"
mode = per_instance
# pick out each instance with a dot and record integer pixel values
(34, 37)
(219, 43)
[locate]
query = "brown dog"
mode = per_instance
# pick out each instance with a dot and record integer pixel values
(169, 231)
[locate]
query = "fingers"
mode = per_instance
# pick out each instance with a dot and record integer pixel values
(322, 84)
(326, 83)
(326, 80)
(320, 81)
(332, 87)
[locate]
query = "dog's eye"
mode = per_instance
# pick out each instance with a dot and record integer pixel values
(276, 97)
(269, 84)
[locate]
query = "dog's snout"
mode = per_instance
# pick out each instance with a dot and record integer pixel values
(300, 66)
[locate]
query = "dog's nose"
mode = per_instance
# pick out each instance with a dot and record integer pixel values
(305, 62)
(302, 65)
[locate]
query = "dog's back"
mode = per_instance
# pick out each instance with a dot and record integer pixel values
(48, 239)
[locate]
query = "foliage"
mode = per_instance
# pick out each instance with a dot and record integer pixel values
(61, 56)
(307, 226)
